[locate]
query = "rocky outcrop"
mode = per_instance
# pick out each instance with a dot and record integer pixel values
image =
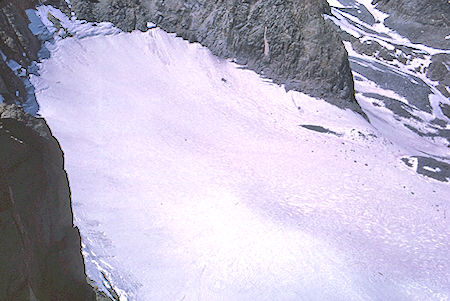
(426, 22)
(439, 71)
(17, 43)
(40, 249)
(287, 41)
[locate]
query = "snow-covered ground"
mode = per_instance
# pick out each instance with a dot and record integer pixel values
(193, 179)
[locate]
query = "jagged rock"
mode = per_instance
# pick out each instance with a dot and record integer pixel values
(439, 71)
(426, 22)
(12, 88)
(16, 43)
(287, 41)
(445, 108)
(372, 48)
(40, 249)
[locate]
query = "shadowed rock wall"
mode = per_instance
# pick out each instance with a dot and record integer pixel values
(40, 249)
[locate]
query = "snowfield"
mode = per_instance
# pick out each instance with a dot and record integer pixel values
(193, 179)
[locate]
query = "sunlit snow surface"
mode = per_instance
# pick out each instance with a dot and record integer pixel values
(192, 179)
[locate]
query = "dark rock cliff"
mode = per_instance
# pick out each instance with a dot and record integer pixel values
(40, 249)
(287, 41)
(19, 50)
(16, 43)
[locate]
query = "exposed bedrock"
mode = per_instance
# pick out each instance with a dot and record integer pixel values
(40, 249)
(287, 41)
(439, 71)
(426, 22)
(19, 50)
(17, 43)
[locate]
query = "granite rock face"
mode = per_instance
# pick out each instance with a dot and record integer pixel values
(426, 22)
(40, 249)
(287, 41)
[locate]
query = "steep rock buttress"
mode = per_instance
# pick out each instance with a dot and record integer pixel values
(40, 249)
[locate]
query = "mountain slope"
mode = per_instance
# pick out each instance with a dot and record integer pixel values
(287, 41)
(195, 179)
(402, 85)
(40, 249)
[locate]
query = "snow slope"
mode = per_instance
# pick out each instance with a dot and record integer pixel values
(193, 179)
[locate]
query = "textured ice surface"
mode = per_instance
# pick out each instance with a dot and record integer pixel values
(192, 179)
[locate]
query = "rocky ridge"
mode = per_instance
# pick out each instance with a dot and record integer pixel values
(287, 41)
(424, 22)
(40, 249)
(19, 47)
(428, 23)
(401, 48)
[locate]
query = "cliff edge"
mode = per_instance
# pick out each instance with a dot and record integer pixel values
(287, 41)
(40, 249)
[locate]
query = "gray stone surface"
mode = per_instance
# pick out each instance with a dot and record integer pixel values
(412, 88)
(439, 71)
(396, 106)
(40, 249)
(16, 43)
(430, 167)
(426, 22)
(287, 41)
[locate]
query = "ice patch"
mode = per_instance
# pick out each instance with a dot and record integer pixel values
(335, 3)
(437, 169)
(37, 27)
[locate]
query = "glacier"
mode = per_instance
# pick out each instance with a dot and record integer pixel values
(195, 179)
